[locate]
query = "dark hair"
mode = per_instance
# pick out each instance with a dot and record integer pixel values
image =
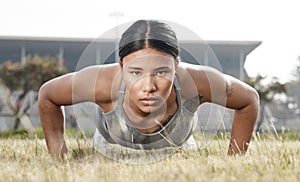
(148, 34)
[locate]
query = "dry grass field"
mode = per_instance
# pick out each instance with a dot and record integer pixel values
(268, 159)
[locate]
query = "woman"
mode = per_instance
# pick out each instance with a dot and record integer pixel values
(150, 97)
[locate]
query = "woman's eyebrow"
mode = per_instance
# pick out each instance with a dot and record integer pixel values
(135, 68)
(139, 68)
(162, 68)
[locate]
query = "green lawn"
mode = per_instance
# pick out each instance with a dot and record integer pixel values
(274, 158)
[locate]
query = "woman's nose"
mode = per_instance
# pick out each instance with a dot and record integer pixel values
(149, 83)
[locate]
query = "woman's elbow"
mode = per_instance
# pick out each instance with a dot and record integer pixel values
(254, 101)
(255, 97)
(44, 94)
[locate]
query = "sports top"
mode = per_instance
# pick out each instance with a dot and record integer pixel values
(116, 128)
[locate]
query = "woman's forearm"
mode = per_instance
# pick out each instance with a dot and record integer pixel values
(242, 128)
(52, 121)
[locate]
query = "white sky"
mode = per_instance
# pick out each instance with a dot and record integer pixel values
(275, 23)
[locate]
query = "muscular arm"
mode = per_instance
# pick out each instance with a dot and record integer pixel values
(232, 93)
(52, 95)
(68, 89)
(245, 100)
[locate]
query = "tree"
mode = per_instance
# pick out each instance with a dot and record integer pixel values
(267, 93)
(296, 72)
(21, 79)
(294, 87)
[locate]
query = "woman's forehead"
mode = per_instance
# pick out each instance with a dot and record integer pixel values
(151, 57)
(149, 60)
(146, 53)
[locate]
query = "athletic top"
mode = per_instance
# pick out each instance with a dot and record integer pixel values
(116, 128)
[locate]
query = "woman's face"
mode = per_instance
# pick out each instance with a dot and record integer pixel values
(148, 76)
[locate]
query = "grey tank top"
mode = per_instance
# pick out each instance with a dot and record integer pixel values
(116, 128)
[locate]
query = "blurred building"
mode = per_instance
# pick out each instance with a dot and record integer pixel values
(76, 53)
(227, 56)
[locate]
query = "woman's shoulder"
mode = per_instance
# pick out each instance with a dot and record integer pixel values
(192, 79)
(102, 73)
(102, 81)
(185, 75)
(103, 67)
(187, 71)
(197, 72)
(191, 68)
(106, 80)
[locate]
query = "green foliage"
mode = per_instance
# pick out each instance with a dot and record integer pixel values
(294, 87)
(290, 136)
(31, 75)
(23, 134)
(296, 71)
(281, 136)
(267, 91)
(23, 78)
(14, 134)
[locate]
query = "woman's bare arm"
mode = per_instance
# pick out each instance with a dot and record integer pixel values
(232, 93)
(245, 100)
(52, 95)
(85, 85)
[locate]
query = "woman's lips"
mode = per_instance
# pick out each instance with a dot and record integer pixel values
(149, 101)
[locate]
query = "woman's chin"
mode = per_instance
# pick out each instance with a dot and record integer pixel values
(147, 110)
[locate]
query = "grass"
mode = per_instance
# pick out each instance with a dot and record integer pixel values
(269, 158)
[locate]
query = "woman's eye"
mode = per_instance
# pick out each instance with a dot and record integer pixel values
(159, 73)
(136, 73)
